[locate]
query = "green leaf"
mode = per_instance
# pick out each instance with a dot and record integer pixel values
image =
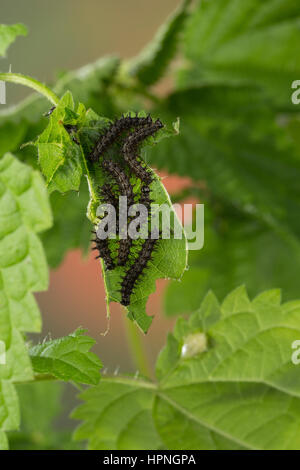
(59, 155)
(244, 385)
(67, 358)
(8, 34)
(224, 39)
(169, 259)
(130, 400)
(151, 63)
(226, 380)
(24, 211)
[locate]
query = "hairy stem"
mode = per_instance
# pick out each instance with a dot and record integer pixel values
(137, 349)
(20, 79)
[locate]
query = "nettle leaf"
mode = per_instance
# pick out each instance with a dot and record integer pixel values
(169, 259)
(118, 415)
(224, 262)
(224, 41)
(8, 34)
(59, 155)
(244, 386)
(24, 211)
(225, 381)
(150, 65)
(67, 358)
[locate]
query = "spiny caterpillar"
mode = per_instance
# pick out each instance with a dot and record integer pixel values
(125, 190)
(130, 150)
(107, 194)
(121, 178)
(113, 133)
(143, 128)
(124, 250)
(104, 252)
(135, 271)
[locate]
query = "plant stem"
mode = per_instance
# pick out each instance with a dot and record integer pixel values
(20, 79)
(137, 349)
(38, 378)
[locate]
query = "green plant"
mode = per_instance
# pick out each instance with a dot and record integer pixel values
(225, 379)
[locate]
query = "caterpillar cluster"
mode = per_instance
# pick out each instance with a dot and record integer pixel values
(125, 189)
(114, 131)
(143, 128)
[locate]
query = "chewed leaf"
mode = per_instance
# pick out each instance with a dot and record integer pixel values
(165, 257)
(168, 261)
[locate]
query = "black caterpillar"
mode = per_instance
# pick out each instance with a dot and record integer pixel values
(107, 194)
(130, 150)
(124, 250)
(104, 252)
(135, 271)
(141, 172)
(114, 131)
(121, 178)
(145, 197)
(125, 244)
(144, 127)
(125, 190)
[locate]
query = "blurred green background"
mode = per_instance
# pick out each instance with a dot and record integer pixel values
(64, 35)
